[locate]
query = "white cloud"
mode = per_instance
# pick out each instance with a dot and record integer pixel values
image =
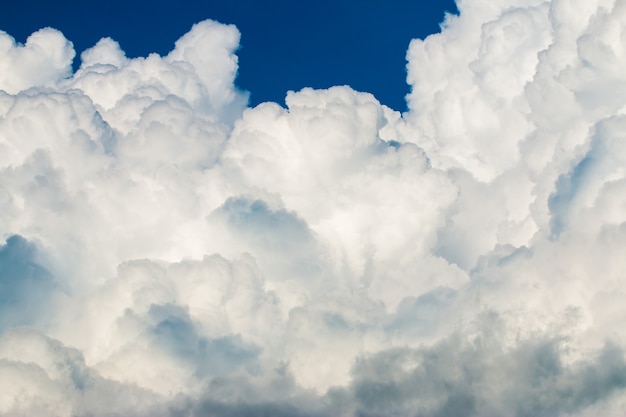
(45, 59)
(171, 252)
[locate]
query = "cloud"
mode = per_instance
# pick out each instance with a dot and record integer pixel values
(45, 59)
(483, 377)
(42, 376)
(169, 251)
(26, 285)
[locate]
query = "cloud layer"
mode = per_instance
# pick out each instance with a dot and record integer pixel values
(169, 252)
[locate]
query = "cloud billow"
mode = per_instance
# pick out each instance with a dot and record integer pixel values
(167, 250)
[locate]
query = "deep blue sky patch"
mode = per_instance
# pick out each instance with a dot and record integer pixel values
(286, 45)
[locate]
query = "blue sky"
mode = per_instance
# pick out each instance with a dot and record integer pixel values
(286, 45)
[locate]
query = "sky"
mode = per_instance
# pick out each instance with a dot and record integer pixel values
(285, 45)
(171, 247)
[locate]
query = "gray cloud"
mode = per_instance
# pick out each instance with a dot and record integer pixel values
(483, 377)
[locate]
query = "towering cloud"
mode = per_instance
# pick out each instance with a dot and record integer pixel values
(169, 252)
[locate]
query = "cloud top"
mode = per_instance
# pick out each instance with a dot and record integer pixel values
(45, 59)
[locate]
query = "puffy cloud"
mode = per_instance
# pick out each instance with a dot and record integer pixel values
(169, 251)
(482, 377)
(45, 59)
(42, 376)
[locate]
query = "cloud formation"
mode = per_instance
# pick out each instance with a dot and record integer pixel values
(168, 251)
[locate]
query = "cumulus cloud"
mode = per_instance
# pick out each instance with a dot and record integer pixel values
(45, 59)
(168, 251)
(481, 378)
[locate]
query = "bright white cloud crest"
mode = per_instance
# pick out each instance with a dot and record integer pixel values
(168, 251)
